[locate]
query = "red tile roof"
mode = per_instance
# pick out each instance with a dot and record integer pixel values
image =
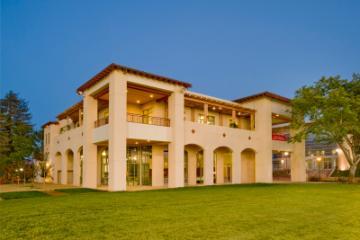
(106, 71)
(264, 94)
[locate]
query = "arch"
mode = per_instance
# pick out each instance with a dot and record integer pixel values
(69, 166)
(223, 164)
(248, 165)
(58, 160)
(193, 164)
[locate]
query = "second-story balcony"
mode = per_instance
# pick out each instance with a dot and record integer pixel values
(138, 118)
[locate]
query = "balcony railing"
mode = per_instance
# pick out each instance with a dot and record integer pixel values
(138, 118)
(280, 137)
(101, 121)
(68, 127)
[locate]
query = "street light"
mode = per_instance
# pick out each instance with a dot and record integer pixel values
(22, 170)
(318, 159)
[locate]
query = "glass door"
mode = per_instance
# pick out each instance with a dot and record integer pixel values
(139, 165)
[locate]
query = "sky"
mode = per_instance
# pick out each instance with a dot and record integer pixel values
(227, 49)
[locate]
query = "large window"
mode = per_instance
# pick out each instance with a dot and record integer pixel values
(139, 165)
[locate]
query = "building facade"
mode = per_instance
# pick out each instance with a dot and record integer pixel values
(135, 129)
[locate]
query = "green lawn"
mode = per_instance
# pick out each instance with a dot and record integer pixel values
(312, 211)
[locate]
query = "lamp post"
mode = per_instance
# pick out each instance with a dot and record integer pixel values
(318, 159)
(22, 170)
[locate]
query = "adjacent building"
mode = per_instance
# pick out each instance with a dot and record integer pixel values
(135, 129)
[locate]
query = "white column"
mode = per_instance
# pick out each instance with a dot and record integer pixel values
(176, 146)
(157, 166)
(191, 166)
(298, 168)
(263, 128)
(64, 162)
(76, 172)
(208, 167)
(89, 149)
(236, 167)
(117, 131)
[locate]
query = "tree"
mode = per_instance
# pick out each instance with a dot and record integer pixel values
(16, 134)
(330, 110)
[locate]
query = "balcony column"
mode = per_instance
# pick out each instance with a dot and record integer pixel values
(263, 122)
(298, 168)
(206, 113)
(252, 121)
(236, 167)
(89, 149)
(64, 161)
(76, 170)
(208, 167)
(157, 166)
(117, 131)
(176, 146)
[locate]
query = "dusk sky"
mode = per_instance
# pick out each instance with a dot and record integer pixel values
(227, 49)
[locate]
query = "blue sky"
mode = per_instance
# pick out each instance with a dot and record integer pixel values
(227, 49)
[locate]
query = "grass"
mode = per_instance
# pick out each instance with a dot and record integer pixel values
(18, 195)
(289, 211)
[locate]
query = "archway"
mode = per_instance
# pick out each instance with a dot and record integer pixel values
(57, 175)
(248, 166)
(193, 164)
(70, 166)
(222, 165)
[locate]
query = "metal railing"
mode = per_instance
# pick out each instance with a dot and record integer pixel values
(138, 118)
(144, 119)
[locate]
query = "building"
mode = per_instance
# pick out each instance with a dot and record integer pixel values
(134, 128)
(322, 159)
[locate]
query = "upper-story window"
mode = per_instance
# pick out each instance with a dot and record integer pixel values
(210, 119)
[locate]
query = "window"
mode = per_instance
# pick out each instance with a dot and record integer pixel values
(210, 119)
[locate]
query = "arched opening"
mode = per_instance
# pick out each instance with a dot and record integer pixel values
(193, 165)
(222, 165)
(57, 174)
(70, 166)
(81, 164)
(248, 166)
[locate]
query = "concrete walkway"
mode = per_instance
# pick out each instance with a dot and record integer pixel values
(32, 187)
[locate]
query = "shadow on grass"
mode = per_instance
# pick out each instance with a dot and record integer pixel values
(76, 190)
(19, 195)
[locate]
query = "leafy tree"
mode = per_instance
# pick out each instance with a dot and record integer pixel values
(330, 110)
(16, 134)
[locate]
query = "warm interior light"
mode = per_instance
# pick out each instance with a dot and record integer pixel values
(213, 108)
(338, 150)
(239, 113)
(21, 169)
(282, 161)
(103, 153)
(286, 153)
(151, 95)
(136, 143)
(137, 101)
(318, 159)
(277, 115)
